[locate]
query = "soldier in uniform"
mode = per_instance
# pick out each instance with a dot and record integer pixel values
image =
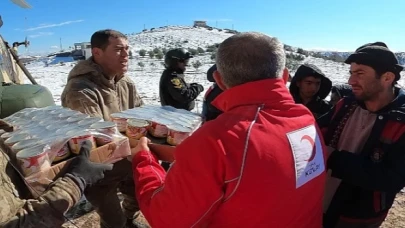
(173, 89)
(18, 210)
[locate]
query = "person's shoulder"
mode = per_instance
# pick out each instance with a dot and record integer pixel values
(80, 83)
(209, 135)
(174, 74)
(325, 104)
(78, 86)
(168, 74)
(224, 124)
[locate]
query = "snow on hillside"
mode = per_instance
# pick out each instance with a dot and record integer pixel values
(177, 36)
(344, 55)
(147, 78)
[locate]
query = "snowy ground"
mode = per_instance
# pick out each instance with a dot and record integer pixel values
(176, 36)
(147, 78)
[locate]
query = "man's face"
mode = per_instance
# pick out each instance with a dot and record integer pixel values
(365, 84)
(309, 86)
(182, 64)
(114, 59)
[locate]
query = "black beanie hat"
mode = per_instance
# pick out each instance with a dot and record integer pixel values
(210, 73)
(378, 56)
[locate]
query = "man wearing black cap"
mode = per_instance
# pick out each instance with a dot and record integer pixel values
(310, 87)
(365, 134)
(173, 89)
(211, 112)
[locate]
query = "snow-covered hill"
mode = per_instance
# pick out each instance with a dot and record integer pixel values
(177, 36)
(344, 55)
(147, 77)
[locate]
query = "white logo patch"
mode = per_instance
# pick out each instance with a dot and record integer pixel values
(308, 154)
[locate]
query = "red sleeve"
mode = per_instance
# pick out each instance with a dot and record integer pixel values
(191, 190)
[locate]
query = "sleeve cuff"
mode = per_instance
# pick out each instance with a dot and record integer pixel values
(141, 155)
(81, 183)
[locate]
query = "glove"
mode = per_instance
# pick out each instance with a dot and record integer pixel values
(199, 87)
(85, 170)
(5, 126)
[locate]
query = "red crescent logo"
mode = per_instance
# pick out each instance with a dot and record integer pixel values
(312, 142)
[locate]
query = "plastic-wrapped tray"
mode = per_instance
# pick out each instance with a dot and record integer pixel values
(168, 125)
(46, 136)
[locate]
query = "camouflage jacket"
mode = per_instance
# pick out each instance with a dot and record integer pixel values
(46, 211)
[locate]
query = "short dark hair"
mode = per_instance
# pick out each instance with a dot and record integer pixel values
(100, 38)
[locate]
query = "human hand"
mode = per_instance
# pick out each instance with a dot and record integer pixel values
(86, 170)
(141, 146)
(199, 87)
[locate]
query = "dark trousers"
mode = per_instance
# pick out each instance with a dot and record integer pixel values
(103, 196)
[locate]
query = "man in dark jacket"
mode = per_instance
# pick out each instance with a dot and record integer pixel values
(365, 134)
(173, 89)
(338, 92)
(210, 112)
(310, 87)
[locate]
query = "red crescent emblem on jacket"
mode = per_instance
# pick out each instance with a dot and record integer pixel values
(312, 142)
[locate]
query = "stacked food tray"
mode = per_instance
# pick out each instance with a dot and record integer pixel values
(45, 136)
(162, 122)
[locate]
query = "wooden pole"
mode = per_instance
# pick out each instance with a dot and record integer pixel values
(20, 64)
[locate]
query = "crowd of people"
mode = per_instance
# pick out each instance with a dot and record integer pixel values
(266, 156)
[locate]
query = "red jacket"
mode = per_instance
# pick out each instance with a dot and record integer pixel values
(260, 164)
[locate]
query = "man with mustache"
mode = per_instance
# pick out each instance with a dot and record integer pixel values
(309, 87)
(99, 87)
(366, 138)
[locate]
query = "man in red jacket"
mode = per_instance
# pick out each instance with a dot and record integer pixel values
(259, 164)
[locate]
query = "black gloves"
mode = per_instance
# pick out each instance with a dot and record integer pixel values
(199, 87)
(85, 170)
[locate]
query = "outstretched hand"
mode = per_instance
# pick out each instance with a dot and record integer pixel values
(141, 146)
(90, 172)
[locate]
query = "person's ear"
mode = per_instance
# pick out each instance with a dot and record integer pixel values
(388, 79)
(96, 52)
(286, 75)
(218, 80)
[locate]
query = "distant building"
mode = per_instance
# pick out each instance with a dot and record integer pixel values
(200, 24)
(85, 48)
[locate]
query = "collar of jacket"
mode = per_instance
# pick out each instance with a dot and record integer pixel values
(396, 105)
(298, 99)
(101, 78)
(271, 92)
(175, 70)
